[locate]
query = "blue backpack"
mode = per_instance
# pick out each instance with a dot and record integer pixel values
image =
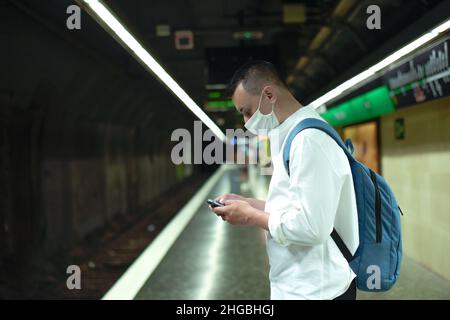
(377, 260)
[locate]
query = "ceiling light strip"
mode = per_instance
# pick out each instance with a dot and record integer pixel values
(146, 58)
(397, 55)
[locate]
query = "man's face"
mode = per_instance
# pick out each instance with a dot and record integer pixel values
(247, 104)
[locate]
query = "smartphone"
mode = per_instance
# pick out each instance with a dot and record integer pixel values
(214, 203)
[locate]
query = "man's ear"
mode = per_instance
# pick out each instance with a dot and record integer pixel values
(270, 93)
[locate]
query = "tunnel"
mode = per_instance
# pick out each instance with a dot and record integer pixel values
(117, 124)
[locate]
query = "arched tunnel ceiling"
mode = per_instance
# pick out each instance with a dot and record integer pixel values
(134, 96)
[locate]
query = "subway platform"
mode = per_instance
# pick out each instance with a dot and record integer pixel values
(200, 257)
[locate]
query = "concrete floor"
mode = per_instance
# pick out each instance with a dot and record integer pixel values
(213, 260)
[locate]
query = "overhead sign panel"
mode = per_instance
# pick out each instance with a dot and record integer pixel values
(424, 77)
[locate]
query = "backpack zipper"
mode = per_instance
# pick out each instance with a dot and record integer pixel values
(377, 207)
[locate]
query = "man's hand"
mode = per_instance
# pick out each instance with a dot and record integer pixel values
(255, 203)
(238, 212)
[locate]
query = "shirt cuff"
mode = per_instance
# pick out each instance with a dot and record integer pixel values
(276, 230)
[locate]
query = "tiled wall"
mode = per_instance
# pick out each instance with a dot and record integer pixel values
(418, 169)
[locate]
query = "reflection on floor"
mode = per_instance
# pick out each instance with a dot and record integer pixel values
(212, 259)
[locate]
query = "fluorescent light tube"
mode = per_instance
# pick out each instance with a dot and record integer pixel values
(397, 55)
(130, 41)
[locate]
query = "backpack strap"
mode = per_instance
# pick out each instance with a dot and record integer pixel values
(341, 245)
(320, 125)
(348, 149)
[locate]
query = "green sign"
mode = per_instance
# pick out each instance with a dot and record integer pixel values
(220, 104)
(214, 95)
(367, 106)
(399, 129)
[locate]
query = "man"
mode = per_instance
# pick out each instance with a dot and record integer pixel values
(301, 208)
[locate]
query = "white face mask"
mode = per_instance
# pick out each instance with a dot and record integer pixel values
(259, 121)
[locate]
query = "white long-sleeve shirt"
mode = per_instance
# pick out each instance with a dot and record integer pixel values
(303, 208)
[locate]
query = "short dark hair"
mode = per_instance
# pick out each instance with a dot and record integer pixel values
(253, 75)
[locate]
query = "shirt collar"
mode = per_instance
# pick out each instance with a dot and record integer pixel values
(278, 134)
